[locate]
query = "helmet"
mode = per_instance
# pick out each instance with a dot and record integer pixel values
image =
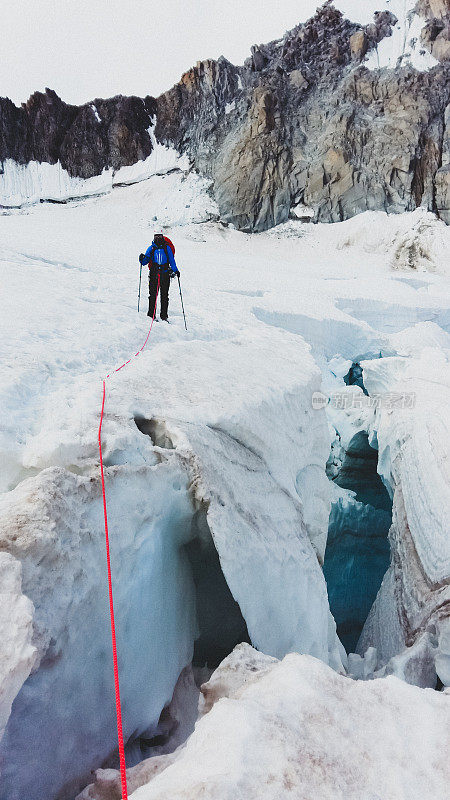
(159, 239)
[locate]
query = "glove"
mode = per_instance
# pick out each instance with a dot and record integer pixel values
(141, 257)
(174, 272)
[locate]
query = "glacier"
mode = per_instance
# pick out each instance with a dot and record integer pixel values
(217, 464)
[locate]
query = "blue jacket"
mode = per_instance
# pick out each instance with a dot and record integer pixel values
(157, 256)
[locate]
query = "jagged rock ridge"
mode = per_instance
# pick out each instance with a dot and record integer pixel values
(85, 139)
(303, 121)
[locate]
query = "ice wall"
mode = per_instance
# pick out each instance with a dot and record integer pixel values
(409, 611)
(24, 184)
(62, 722)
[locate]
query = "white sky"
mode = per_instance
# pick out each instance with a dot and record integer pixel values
(97, 48)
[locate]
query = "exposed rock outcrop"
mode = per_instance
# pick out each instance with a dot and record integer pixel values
(358, 44)
(85, 139)
(302, 121)
(442, 180)
(311, 124)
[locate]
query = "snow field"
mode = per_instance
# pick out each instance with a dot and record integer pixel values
(296, 728)
(234, 396)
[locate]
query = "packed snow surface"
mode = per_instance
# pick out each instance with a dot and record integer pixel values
(216, 435)
(295, 728)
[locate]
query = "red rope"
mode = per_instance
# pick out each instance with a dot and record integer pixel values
(123, 771)
(148, 334)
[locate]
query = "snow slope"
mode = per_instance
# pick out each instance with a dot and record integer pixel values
(296, 729)
(236, 455)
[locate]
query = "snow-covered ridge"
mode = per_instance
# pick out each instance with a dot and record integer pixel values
(416, 241)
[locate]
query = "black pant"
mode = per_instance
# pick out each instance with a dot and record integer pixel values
(153, 276)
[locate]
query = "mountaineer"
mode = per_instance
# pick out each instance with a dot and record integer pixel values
(161, 268)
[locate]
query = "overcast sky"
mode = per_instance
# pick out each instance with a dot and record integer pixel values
(97, 48)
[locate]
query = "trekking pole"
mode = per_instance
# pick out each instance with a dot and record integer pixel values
(139, 295)
(181, 297)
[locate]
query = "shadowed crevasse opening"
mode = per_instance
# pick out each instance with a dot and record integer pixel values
(220, 621)
(221, 625)
(354, 377)
(357, 554)
(156, 430)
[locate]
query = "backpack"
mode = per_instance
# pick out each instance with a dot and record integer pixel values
(170, 243)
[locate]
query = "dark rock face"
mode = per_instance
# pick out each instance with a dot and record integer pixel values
(85, 139)
(442, 177)
(302, 121)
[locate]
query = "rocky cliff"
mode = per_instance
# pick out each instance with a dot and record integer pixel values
(84, 139)
(303, 121)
